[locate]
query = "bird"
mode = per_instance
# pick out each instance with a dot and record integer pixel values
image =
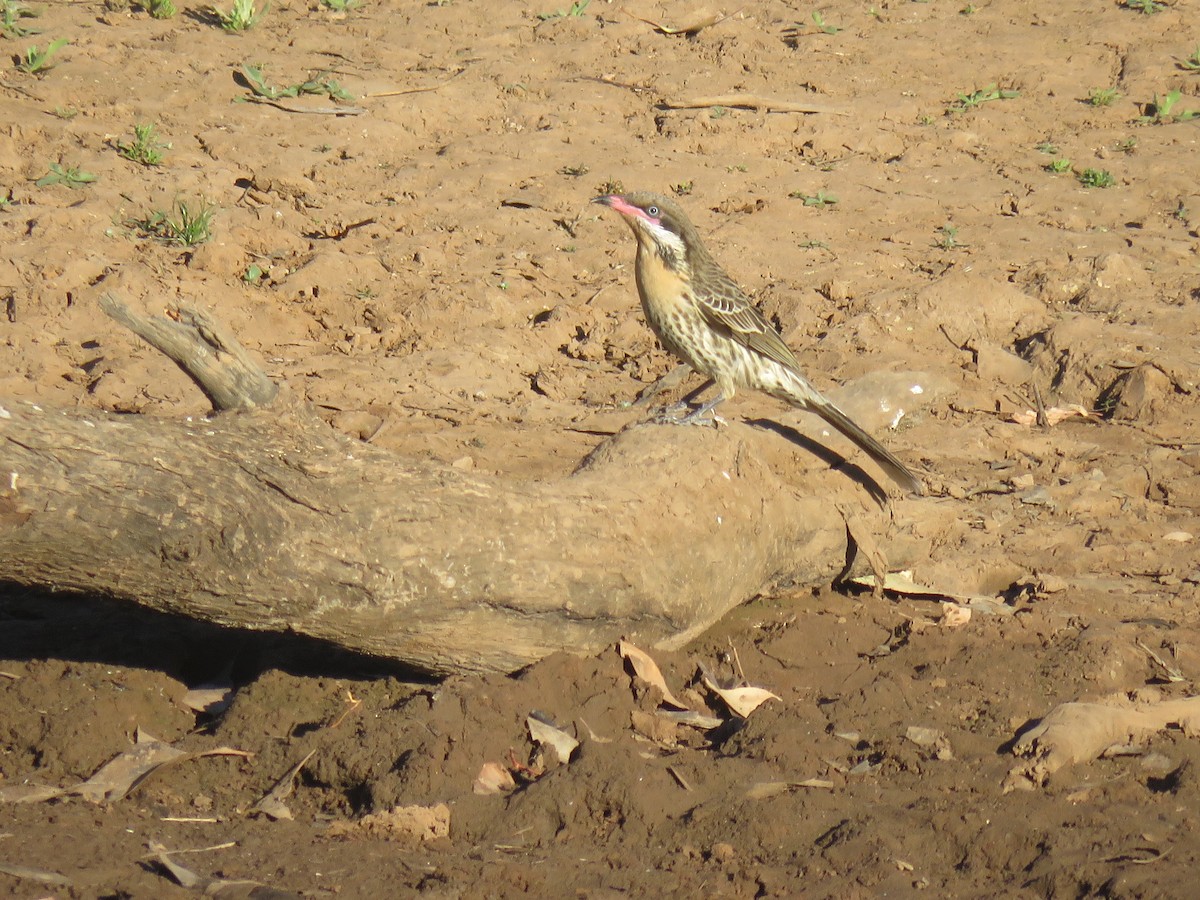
(701, 316)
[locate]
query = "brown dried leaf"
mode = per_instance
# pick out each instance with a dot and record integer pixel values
(564, 745)
(272, 804)
(212, 699)
(647, 669)
(741, 700)
(1054, 415)
(493, 778)
(42, 876)
(703, 19)
(744, 700)
(219, 888)
(765, 789)
(692, 718)
(663, 730)
(1079, 732)
(120, 775)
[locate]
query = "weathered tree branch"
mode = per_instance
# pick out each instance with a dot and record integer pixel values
(212, 357)
(268, 519)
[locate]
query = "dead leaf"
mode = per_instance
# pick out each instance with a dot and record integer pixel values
(903, 583)
(220, 888)
(647, 669)
(765, 789)
(42, 876)
(1080, 732)
(692, 718)
(592, 736)
(564, 745)
(272, 804)
(493, 778)
(755, 101)
(660, 729)
(745, 700)
(120, 775)
(703, 20)
(211, 699)
(1054, 415)
(741, 700)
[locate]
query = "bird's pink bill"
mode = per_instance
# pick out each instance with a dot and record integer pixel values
(617, 202)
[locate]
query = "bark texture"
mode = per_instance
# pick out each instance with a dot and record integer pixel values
(268, 519)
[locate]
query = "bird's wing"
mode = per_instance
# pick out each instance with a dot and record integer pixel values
(725, 307)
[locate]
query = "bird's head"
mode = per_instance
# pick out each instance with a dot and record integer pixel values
(659, 225)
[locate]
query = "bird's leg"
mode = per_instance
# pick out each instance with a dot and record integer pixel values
(697, 416)
(666, 382)
(688, 399)
(698, 392)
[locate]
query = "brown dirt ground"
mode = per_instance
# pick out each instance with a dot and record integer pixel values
(434, 278)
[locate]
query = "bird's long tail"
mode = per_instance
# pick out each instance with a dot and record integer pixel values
(806, 396)
(883, 457)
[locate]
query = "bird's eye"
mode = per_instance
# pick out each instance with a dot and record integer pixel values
(652, 210)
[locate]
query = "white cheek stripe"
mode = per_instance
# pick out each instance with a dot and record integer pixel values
(666, 238)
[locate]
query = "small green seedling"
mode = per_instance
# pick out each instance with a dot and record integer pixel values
(256, 81)
(253, 274)
(1103, 96)
(1126, 146)
(145, 148)
(823, 26)
(682, 189)
(11, 14)
(242, 17)
(1096, 178)
(968, 10)
(610, 187)
(576, 10)
(340, 6)
(949, 238)
(1047, 147)
(189, 226)
(71, 176)
(820, 199)
(979, 97)
(36, 61)
(1181, 212)
(574, 171)
(1145, 7)
(1161, 110)
(66, 113)
(1192, 63)
(1058, 166)
(158, 9)
(6, 200)
(718, 112)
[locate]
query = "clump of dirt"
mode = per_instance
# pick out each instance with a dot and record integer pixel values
(421, 263)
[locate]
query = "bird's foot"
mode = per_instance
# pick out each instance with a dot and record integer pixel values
(672, 415)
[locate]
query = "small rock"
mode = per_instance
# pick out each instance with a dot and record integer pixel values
(722, 853)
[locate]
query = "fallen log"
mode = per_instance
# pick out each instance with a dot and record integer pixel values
(268, 519)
